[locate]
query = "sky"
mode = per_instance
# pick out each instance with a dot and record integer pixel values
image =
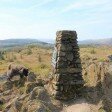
(40, 19)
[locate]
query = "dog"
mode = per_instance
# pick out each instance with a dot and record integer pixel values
(15, 70)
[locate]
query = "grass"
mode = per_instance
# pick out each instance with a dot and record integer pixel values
(38, 59)
(1, 107)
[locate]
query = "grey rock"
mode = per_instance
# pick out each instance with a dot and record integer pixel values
(30, 86)
(39, 93)
(31, 77)
(17, 105)
(7, 85)
(61, 53)
(69, 56)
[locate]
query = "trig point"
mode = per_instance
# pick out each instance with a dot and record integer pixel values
(66, 63)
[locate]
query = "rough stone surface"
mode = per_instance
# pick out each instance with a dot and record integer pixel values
(31, 77)
(17, 105)
(7, 85)
(39, 93)
(35, 106)
(31, 85)
(98, 78)
(67, 70)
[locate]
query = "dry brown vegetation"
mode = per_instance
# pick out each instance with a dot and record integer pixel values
(35, 58)
(39, 59)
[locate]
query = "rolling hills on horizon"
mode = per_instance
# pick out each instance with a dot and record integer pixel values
(105, 41)
(21, 42)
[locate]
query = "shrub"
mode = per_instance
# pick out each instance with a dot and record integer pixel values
(93, 51)
(39, 58)
(1, 107)
(14, 57)
(11, 57)
(29, 51)
(1, 56)
(43, 66)
(11, 60)
(102, 60)
(21, 56)
(31, 46)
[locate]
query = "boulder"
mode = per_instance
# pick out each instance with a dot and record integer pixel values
(7, 85)
(35, 106)
(31, 85)
(107, 87)
(110, 57)
(31, 77)
(14, 106)
(8, 106)
(39, 93)
(17, 105)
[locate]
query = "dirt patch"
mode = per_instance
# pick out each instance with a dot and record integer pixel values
(80, 105)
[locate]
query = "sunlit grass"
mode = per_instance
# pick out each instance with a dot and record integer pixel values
(39, 60)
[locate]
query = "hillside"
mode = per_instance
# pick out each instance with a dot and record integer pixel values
(21, 42)
(30, 95)
(106, 41)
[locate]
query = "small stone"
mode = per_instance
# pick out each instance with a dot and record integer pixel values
(60, 59)
(61, 70)
(74, 70)
(61, 47)
(60, 53)
(61, 64)
(69, 47)
(70, 56)
(79, 65)
(78, 61)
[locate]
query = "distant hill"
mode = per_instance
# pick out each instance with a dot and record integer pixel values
(106, 41)
(21, 42)
(96, 42)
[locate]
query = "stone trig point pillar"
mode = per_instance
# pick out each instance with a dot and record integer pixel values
(66, 63)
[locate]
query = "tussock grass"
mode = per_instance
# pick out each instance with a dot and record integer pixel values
(39, 59)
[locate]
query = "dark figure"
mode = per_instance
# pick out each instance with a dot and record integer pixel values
(15, 70)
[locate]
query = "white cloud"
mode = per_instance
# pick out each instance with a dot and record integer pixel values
(84, 4)
(37, 20)
(38, 4)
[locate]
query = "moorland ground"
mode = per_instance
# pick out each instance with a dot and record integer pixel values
(38, 59)
(97, 87)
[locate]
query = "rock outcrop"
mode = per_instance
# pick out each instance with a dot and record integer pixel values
(98, 87)
(30, 97)
(31, 77)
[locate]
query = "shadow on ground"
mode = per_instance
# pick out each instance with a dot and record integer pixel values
(97, 96)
